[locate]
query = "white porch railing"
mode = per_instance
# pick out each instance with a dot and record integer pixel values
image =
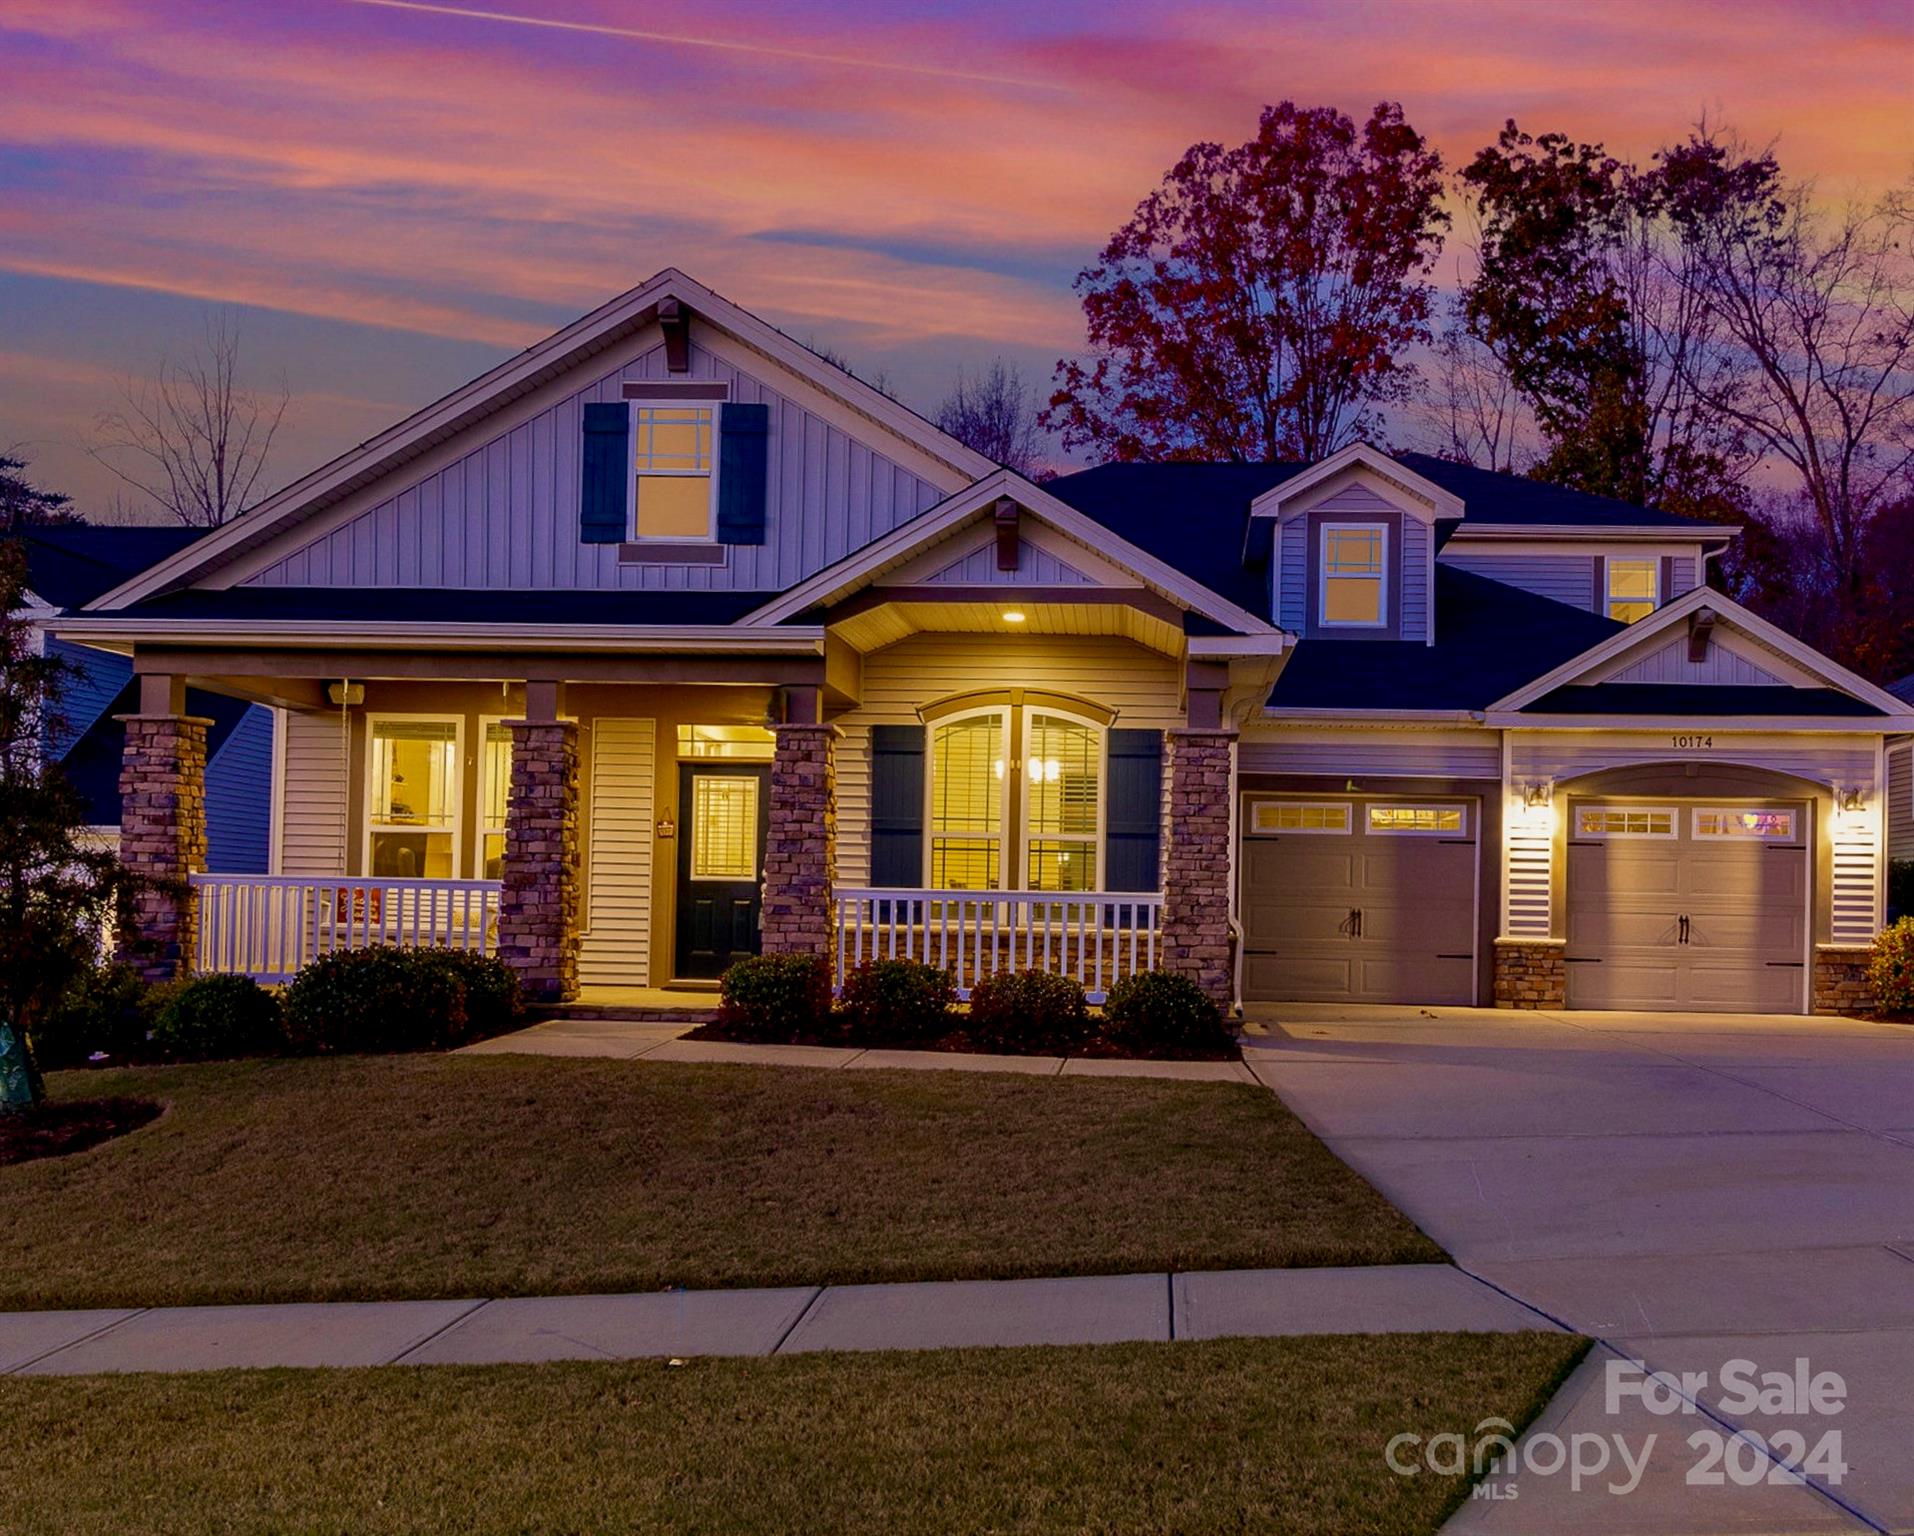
(268, 926)
(1098, 937)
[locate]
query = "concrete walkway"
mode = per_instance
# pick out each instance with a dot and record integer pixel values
(662, 1042)
(1094, 1309)
(1691, 1191)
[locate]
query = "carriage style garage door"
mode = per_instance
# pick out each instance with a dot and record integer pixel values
(1359, 899)
(1686, 905)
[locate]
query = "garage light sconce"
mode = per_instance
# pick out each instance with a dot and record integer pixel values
(1538, 795)
(1850, 802)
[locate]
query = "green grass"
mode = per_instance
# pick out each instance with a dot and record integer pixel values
(510, 1175)
(1241, 1435)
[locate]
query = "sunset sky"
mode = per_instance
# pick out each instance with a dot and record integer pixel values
(394, 196)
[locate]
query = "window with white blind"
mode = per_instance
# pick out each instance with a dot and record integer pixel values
(412, 798)
(1028, 780)
(724, 826)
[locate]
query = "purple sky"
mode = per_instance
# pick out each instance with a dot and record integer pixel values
(394, 196)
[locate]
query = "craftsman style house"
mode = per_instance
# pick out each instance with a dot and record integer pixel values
(666, 641)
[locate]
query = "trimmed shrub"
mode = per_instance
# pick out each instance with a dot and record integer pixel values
(379, 998)
(493, 1004)
(108, 1010)
(214, 1018)
(901, 1000)
(776, 998)
(1156, 1013)
(1891, 971)
(1030, 1012)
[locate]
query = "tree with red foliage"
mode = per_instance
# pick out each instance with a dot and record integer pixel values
(1259, 304)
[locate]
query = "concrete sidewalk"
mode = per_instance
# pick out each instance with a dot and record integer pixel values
(1093, 1309)
(627, 1040)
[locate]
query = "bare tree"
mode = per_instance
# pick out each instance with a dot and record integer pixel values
(1470, 410)
(191, 438)
(1822, 305)
(996, 414)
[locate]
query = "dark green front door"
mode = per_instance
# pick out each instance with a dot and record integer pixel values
(724, 814)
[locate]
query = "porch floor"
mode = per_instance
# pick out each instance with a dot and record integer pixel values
(686, 1005)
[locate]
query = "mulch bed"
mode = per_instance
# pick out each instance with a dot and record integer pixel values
(54, 1130)
(958, 1040)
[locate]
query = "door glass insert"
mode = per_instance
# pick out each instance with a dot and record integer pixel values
(1417, 818)
(724, 827)
(1624, 821)
(1267, 816)
(1774, 826)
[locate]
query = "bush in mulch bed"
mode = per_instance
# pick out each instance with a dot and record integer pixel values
(1891, 972)
(54, 1130)
(905, 1004)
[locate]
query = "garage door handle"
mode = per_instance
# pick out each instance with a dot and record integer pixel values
(1788, 965)
(1683, 920)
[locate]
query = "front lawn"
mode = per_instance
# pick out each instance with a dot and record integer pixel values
(365, 1177)
(1239, 1435)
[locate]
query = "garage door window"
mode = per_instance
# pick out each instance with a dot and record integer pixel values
(1418, 820)
(1771, 826)
(1268, 817)
(1624, 821)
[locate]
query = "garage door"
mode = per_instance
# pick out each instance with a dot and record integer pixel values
(1359, 900)
(1682, 905)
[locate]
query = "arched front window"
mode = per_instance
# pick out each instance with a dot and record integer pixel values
(1015, 800)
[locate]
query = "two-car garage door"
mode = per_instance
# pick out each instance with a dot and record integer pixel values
(1359, 900)
(1685, 906)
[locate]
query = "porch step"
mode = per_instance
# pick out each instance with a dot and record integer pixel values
(688, 1012)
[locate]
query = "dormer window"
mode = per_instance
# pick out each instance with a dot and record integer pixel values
(1634, 589)
(1355, 559)
(672, 456)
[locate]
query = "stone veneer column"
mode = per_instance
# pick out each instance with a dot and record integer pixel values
(163, 839)
(800, 857)
(1841, 984)
(538, 909)
(1196, 862)
(1531, 973)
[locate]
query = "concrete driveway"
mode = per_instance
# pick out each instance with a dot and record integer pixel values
(1693, 1191)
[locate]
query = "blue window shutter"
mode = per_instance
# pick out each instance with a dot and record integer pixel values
(744, 442)
(897, 805)
(1133, 824)
(605, 473)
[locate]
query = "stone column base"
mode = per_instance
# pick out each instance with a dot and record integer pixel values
(800, 854)
(1531, 973)
(538, 908)
(1196, 863)
(1841, 984)
(163, 839)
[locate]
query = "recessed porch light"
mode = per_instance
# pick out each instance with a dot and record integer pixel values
(1013, 616)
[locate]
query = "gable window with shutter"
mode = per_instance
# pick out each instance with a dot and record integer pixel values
(673, 455)
(676, 476)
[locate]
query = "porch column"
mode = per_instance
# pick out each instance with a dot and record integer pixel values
(800, 857)
(1196, 861)
(538, 909)
(162, 827)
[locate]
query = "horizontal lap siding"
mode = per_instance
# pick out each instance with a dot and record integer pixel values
(616, 948)
(239, 798)
(1900, 803)
(313, 797)
(1141, 686)
(505, 515)
(1564, 757)
(1565, 578)
(1292, 608)
(1477, 758)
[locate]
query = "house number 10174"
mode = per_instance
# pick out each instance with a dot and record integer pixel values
(1692, 743)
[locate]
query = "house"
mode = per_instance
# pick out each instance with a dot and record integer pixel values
(666, 641)
(70, 564)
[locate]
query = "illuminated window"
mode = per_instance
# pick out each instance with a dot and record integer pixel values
(1354, 556)
(1774, 826)
(967, 802)
(1634, 589)
(1416, 818)
(495, 789)
(724, 827)
(1063, 760)
(1267, 816)
(672, 458)
(741, 743)
(413, 799)
(1624, 821)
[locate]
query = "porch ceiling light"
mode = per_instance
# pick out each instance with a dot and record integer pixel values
(1013, 616)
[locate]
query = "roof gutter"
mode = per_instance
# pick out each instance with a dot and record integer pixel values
(1467, 532)
(310, 634)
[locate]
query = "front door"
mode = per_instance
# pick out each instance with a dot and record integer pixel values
(724, 809)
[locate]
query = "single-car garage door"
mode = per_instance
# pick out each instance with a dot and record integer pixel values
(1359, 900)
(1687, 906)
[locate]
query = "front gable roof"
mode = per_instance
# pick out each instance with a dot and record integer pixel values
(1600, 681)
(564, 350)
(1283, 499)
(907, 542)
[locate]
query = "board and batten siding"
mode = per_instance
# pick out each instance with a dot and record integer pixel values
(1448, 755)
(1035, 568)
(505, 515)
(312, 796)
(1670, 664)
(615, 950)
(1142, 686)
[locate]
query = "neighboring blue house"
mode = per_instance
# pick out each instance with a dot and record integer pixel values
(69, 566)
